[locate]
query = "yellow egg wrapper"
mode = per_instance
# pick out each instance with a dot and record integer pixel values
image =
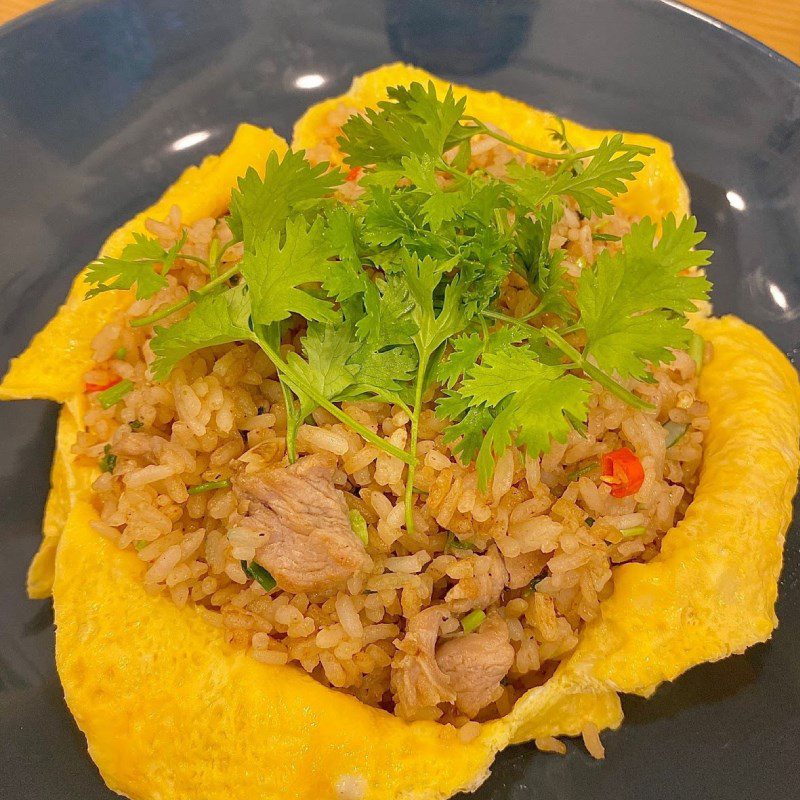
(171, 712)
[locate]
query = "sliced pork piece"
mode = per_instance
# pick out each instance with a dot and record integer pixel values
(417, 681)
(308, 543)
(483, 588)
(476, 663)
(522, 569)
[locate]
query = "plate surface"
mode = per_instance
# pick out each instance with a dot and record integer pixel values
(102, 104)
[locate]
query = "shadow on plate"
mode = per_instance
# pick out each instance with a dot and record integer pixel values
(457, 36)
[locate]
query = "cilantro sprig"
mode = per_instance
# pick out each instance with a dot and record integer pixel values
(397, 295)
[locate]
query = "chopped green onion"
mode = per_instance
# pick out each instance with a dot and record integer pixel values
(636, 530)
(605, 237)
(578, 473)
(534, 583)
(140, 545)
(453, 541)
(136, 425)
(359, 526)
(257, 573)
(210, 486)
(697, 350)
(121, 353)
(675, 432)
(473, 621)
(417, 490)
(108, 461)
(589, 522)
(579, 426)
(112, 395)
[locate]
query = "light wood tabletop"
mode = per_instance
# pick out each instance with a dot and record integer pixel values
(774, 22)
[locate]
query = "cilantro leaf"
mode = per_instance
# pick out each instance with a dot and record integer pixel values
(423, 277)
(218, 318)
(592, 185)
(471, 430)
(388, 316)
(385, 373)
(261, 205)
(338, 367)
(413, 121)
(279, 266)
(327, 349)
(632, 302)
(137, 265)
(441, 204)
(468, 349)
(603, 177)
(531, 403)
(542, 269)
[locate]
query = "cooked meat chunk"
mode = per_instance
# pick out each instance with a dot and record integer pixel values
(308, 543)
(483, 588)
(522, 569)
(417, 681)
(476, 663)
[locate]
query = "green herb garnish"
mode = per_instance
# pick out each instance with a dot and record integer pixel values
(534, 583)
(697, 349)
(580, 472)
(209, 486)
(136, 425)
(359, 526)
(472, 621)
(398, 291)
(675, 432)
(453, 542)
(121, 353)
(111, 396)
(257, 573)
(108, 461)
(636, 530)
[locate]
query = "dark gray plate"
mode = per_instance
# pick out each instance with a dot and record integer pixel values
(95, 102)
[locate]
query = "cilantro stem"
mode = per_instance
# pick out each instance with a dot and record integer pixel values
(190, 298)
(445, 167)
(594, 372)
(291, 422)
(567, 158)
(481, 127)
(295, 382)
(189, 257)
(213, 258)
(422, 368)
(620, 391)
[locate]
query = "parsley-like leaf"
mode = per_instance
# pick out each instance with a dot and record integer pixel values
(279, 267)
(413, 121)
(261, 205)
(531, 403)
(137, 265)
(633, 302)
(216, 319)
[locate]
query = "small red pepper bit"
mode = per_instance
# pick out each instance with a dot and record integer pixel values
(354, 174)
(89, 388)
(623, 471)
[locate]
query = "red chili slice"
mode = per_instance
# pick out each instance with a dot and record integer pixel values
(354, 174)
(89, 388)
(623, 471)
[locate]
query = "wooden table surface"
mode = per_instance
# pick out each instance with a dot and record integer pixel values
(774, 22)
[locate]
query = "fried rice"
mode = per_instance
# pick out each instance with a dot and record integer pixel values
(551, 521)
